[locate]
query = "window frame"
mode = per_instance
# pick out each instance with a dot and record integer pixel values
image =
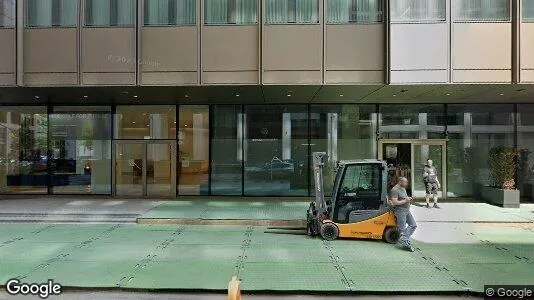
(353, 11)
(456, 20)
(53, 16)
(232, 14)
(113, 15)
(293, 10)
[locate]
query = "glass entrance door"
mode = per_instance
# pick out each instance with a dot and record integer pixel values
(145, 169)
(407, 158)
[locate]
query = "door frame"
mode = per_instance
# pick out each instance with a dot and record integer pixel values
(420, 142)
(145, 143)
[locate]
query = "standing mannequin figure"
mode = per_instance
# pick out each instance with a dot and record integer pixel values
(430, 178)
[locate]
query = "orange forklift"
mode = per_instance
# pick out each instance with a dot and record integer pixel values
(359, 207)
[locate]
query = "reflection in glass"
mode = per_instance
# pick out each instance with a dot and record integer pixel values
(107, 13)
(7, 13)
(412, 121)
(482, 10)
(80, 149)
(343, 132)
(349, 11)
(276, 150)
(528, 10)
(193, 156)
(130, 167)
(230, 12)
(473, 131)
(292, 11)
(23, 158)
(145, 122)
(159, 175)
(170, 12)
(48, 13)
(418, 10)
(227, 147)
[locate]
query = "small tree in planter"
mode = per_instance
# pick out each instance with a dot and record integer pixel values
(503, 163)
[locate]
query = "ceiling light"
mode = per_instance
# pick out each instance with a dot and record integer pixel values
(289, 95)
(237, 95)
(394, 95)
(341, 95)
(85, 96)
(448, 94)
(135, 96)
(501, 94)
(36, 97)
(186, 95)
(133, 122)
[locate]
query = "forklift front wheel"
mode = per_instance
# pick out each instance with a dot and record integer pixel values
(391, 235)
(329, 231)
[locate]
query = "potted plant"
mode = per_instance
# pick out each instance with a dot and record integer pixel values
(503, 164)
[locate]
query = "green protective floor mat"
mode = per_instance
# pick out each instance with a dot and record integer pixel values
(11, 231)
(468, 253)
(396, 275)
(478, 275)
(206, 257)
(191, 253)
(11, 268)
(292, 276)
(370, 251)
(83, 274)
(193, 275)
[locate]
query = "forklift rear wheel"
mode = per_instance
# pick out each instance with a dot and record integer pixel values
(391, 235)
(329, 231)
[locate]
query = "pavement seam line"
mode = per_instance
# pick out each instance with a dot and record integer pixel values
(149, 258)
(337, 264)
(442, 267)
(247, 240)
(21, 236)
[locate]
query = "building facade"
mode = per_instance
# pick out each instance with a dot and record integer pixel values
(163, 98)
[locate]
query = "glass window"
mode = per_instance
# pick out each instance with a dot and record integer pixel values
(231, 12)
(481, 128)
(193, 156)
(482, 10)
(108, 13)
(227, 150)
(23, 157)
(343, 132)
(525, 144)
(145, 122)
(418, 10)
(528, 10)
(292, 11)
(7, 13)
(48, 13)
(276, 150)
(80, 150)
(170, 12)
(412, 121)
(354, 11)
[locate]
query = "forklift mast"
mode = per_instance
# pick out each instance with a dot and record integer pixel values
(318, 166)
